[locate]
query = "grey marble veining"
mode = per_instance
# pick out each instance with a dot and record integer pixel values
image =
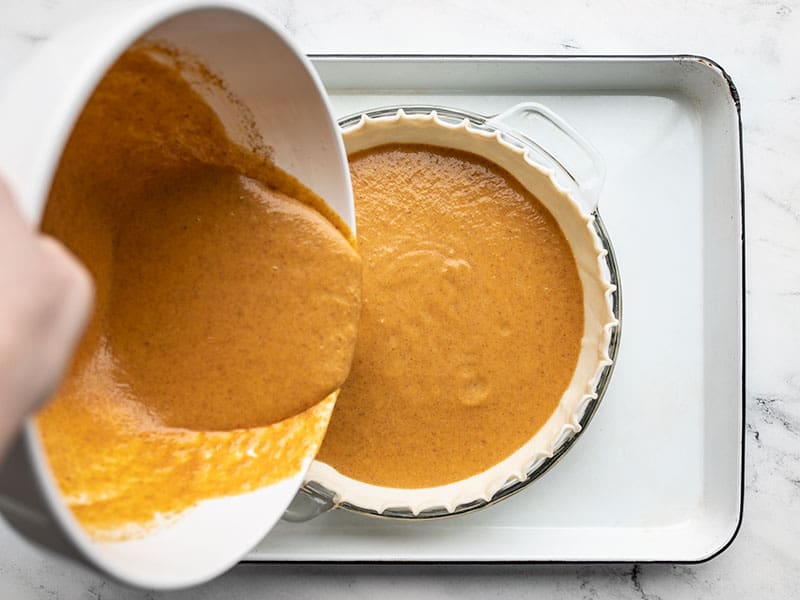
(758, 42)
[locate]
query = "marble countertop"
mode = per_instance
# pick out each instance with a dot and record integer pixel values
(758, 42)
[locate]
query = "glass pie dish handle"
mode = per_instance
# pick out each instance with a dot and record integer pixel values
(305, 506)
(574, 157)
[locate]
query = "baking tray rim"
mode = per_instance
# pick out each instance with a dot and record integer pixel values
(734, 94)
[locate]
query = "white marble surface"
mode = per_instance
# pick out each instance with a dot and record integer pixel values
(758, 41)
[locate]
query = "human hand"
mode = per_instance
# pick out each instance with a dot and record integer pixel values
(45, 302)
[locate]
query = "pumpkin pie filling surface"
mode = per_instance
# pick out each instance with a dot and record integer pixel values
(226, 311)
(471, 323)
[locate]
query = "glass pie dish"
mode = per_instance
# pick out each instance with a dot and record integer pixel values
(565, 173)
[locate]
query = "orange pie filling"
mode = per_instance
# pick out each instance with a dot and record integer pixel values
(471, 324)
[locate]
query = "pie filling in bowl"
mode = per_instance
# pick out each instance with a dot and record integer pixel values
(489, 318)
(226, 309)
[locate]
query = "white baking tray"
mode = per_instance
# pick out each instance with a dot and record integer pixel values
(657, 476)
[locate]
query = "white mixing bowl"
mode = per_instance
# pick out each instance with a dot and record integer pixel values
(38, 109)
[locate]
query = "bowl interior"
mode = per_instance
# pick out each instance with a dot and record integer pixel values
(264, 70)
